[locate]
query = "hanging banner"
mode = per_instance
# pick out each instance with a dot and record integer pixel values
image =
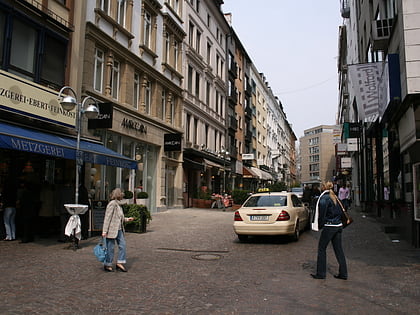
(365, 79)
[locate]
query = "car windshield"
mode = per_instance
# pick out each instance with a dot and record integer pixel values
(266, 201)
(297, 189)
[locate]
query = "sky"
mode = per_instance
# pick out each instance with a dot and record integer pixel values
(295, 44)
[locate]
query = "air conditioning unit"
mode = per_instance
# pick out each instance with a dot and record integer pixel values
(381, 31)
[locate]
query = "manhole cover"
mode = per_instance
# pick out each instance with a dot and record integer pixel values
(207, 257)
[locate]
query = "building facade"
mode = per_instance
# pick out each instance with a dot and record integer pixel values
(378, 43)
(317, 155)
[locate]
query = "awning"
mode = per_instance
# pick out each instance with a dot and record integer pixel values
(262, 174)
(209, 163)
(248, 173)
(28, 140)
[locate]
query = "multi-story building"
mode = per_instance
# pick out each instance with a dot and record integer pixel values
(379, 85)
(206, 155)
(133, 62)
(317, 154)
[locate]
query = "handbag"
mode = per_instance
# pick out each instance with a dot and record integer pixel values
(100, 250)
(346, 219)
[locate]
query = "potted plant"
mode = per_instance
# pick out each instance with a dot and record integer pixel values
(128, 196)
(141, 216)
(141, 198)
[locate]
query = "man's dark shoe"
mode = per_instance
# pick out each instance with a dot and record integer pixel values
(340, 277)
(317, 276)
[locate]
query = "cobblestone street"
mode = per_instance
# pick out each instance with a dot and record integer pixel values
(190, 262)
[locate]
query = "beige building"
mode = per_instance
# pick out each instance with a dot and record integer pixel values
(317, 152)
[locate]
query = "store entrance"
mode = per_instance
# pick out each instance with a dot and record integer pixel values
(44, 178)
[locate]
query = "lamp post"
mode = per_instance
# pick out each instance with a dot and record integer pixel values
(68, 103)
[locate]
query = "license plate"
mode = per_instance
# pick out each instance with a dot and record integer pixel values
(259, 217)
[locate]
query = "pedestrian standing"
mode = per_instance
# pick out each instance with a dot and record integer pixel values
(329, 221)
(344, 196)
(9, 206)
(28, 203)
(113, 231)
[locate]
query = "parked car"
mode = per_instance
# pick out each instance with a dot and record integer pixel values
(271, 213)
(298, 191)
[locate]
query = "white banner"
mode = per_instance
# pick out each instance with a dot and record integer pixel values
(365, 79)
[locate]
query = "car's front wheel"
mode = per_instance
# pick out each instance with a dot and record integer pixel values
(242, 238)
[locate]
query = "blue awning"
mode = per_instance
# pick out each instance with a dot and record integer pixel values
(28, 140)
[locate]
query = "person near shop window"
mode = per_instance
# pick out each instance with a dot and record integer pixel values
(9, 206)
(113, 231)
(84, 218)
(28, 203)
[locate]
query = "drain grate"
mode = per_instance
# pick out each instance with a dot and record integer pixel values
(207, 257)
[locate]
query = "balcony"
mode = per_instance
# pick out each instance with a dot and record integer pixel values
(233, 123)
(248, 136)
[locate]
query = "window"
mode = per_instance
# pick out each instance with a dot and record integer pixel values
(167, 47)
(175, 6)
(191, 34)
(176, 55)
(147, 30)
(198, 41)
(171, 110)
(104, 6)
(53, 60)
(32, 51)
(147, 96)
(115, 79)
(190, 78)
(197, 85)
(99, 70)
(23, 47)
(187, 128)
(163, 105)
(208, 89)
(121, 11)
(208, 53)
(136, 89)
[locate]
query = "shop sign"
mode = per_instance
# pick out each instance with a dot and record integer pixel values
(172, 142)
(345, 162)
(104, 119)
(352, 144)
(23, 97)
(248, 156)
(133, 125)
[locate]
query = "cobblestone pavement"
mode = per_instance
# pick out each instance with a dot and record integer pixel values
(190, 262)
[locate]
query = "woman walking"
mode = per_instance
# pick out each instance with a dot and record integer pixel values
(113, 231)
(329, 220)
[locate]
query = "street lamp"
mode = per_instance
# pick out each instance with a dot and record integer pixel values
(68, 103)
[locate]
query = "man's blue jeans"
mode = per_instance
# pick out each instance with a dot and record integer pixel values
(110, 242)
(333, 235)
(9, 222)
